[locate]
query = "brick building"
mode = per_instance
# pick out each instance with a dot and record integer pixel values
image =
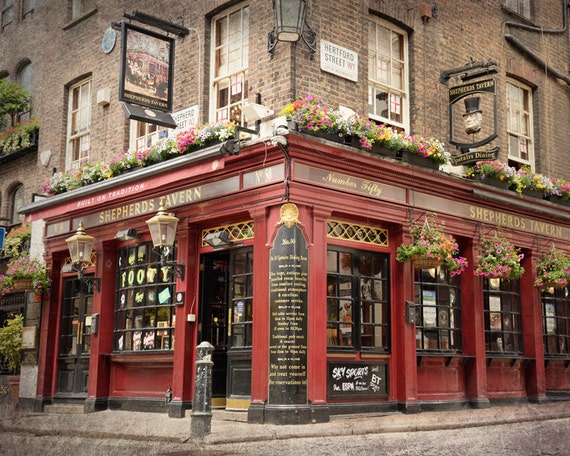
(420, 69)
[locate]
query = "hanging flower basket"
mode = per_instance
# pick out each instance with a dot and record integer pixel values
(431, 247)
(424, 262)
(553, 269)
(499, 258)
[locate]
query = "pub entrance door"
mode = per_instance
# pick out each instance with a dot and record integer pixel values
(74, 340)
(213, 322)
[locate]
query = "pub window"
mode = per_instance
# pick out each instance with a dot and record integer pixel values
(230, 49)
(503, 332)
(438, 310)
(556, 321)
(388, 92)
(144, 304)
(79, 125)
(521, 7)
(357, 300)
(241, 279)
(7, 13)
(519, 125)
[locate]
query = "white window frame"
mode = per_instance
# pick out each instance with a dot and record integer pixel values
(520, 123)
(521, 7)
(376, 85)
(144, 135)
(234, 72)
(79, 139)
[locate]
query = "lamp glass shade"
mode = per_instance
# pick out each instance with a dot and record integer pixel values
(163, 228)
(80, 245)
(289, 19)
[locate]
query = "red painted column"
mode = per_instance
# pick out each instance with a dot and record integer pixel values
(185, 331)
(263, 218)
(403, 369)
(102, 341)
(533, 342)
(317, 314)
(472, 310)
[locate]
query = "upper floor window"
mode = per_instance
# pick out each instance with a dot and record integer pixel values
(7, 13)
(357, 300)
(230, 62)
(556, 321)
(25, 81)
(503, 332)
(145, 135)
(521, 7)
(79, 125)
(519, 125)
(28, 7)
(17, 203)
(438, 310)
(81, 7)
(388, 96)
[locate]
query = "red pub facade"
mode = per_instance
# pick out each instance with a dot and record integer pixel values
(300, 294)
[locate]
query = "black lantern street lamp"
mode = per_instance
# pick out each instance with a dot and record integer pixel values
(291, 26)
(163, 233)
(80, 246)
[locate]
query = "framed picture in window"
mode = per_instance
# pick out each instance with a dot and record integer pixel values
(147, 64)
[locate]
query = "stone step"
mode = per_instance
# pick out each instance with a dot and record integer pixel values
(64, 409)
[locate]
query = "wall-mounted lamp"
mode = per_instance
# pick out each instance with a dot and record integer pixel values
(291, 25)
(163, 232)
(128, 234)
(218, 239)
(80, 246)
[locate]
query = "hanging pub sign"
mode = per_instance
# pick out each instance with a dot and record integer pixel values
(146, 80)
(473, 119)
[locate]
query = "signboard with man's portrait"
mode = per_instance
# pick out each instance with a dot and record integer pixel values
(146, 68)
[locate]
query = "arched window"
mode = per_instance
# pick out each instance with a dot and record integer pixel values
(24, 78)
(17, 202)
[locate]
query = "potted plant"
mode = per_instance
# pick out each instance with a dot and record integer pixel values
(309, 113)
(499, 258)
(553, 269)
(11, 350)
(431, 247)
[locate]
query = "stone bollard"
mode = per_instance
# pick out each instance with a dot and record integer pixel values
(202, 403)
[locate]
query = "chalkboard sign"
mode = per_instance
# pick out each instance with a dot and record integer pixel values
(357, 379)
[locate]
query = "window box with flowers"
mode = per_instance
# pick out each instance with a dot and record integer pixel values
(499, 258)
(431, 247)
(532, 184)
(560, 192)
(493, 173)
(553, 269)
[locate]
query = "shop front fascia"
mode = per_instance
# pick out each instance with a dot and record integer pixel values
(302, 205)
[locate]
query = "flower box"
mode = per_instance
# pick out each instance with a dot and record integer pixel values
(418, 160)
(493, 182)
(22, 284)
(379, 149)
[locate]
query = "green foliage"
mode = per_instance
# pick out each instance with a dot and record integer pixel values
(11, 342)
(13, 99)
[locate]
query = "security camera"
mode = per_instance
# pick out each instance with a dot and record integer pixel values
(278, 139)
(254, 112)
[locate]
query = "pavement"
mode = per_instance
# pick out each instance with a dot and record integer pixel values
(232, 427)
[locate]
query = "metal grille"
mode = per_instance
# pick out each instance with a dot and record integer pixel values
(357, 233)
(237, 231)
